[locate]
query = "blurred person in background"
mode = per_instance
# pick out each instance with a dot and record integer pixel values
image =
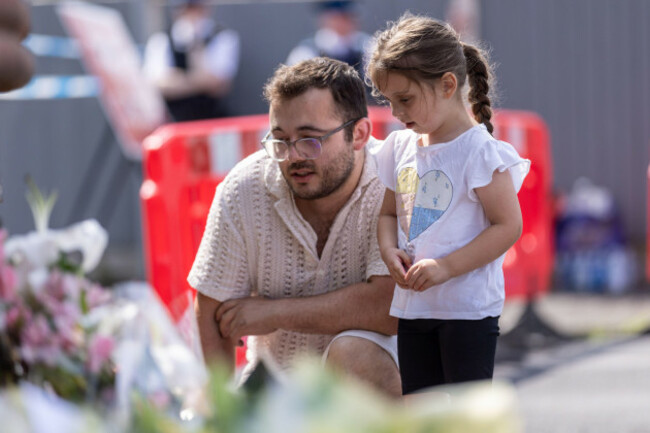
(194, 63)
(16, 62)
(289, 255)
(338, 36)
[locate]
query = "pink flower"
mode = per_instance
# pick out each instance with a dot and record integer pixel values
(28, 354)
(160, 399)
(72, 286)
(36, 332)
(96, 295)
(3, 236)
(69, 333)
(99, 352)
(50, 354)
(13, 315)
(55, 285)
(7, 282)
(66, 309)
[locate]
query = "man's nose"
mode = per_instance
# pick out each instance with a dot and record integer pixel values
(293, 154)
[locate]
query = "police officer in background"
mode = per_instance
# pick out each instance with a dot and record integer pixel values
(194, 63)
(337, 36)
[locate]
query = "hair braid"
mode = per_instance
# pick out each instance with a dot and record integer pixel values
(479, 76)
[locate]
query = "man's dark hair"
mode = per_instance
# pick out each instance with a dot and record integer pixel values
(341, 79)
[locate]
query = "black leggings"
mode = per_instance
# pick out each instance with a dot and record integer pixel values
(434, 352)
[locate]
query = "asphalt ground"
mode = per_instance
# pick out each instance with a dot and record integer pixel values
(579, 362)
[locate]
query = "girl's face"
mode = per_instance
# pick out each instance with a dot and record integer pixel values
(420, 106)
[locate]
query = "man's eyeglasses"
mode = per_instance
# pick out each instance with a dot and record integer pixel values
(306, 148)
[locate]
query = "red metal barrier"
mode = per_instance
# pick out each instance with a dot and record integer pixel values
(184, 162)
(528, 265)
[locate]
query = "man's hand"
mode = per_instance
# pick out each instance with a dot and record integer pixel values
(426, 273)
(398, 263)
(247, 316)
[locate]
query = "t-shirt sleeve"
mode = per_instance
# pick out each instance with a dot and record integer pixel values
(490, 156)
(220, 269)
(222, 54)
(384, 156)
(157, 57)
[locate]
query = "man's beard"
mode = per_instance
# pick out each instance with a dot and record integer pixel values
(333, 176)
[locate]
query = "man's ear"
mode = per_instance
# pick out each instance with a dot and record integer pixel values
(361, 133)
(449, 84)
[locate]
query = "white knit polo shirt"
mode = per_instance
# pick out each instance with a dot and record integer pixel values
(257, 243)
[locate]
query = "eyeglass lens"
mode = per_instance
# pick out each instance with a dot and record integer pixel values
(308, 148)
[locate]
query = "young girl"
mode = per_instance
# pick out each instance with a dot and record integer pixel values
(450, 210)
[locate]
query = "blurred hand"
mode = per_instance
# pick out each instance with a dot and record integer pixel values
(17, 64)
(397, 262)
(246, 316)
(426, 273)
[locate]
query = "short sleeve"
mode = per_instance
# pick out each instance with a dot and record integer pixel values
(157, 56)
(375, 266)
(490, 156)
(222, 54)
(384, 156)
(300, 53)
(220, 269)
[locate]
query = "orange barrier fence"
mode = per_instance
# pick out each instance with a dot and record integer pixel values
(184, 162)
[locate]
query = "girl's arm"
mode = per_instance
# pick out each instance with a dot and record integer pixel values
(501, 206)
(397, 261)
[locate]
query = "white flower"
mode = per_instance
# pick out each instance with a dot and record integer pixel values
(32, 251)
(88, 237)
(40, 249)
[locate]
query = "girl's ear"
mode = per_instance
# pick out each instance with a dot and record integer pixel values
(449, 84)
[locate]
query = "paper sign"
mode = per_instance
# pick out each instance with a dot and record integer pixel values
(132, 104)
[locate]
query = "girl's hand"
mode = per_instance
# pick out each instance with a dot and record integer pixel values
(426, 273)
(398, 262)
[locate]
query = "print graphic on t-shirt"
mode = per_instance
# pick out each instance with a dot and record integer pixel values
(421, 201)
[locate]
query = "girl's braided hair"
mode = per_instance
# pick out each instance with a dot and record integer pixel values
(424, 49)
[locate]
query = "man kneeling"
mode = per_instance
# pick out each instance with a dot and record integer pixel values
(289, 254)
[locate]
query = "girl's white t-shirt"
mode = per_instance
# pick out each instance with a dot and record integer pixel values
(438, 212)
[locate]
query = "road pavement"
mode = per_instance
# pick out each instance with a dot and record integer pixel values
(580, 363)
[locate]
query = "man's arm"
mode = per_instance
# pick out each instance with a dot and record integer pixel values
(359, 306)
(215, 347)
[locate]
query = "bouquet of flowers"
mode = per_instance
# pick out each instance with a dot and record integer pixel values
(79, 342)
(46, 336)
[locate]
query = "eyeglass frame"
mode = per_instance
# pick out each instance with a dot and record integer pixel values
(318, 139)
